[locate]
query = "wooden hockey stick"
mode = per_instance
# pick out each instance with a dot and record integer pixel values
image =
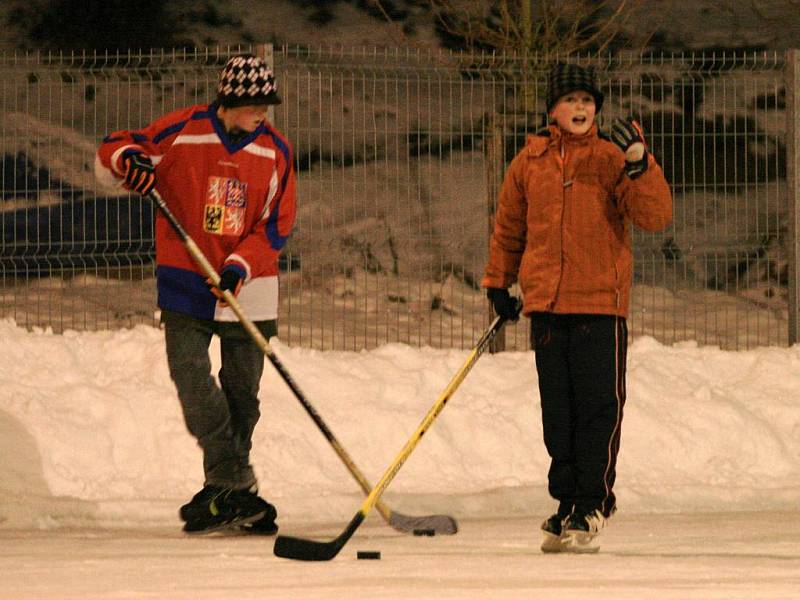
(303, 549)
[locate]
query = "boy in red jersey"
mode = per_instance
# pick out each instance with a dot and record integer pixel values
(227, 175)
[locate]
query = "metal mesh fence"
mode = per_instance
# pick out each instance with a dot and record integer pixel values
(399, 156)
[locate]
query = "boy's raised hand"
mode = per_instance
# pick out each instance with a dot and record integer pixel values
(628, 135)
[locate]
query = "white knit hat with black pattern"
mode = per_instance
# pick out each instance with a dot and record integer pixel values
(246, 80)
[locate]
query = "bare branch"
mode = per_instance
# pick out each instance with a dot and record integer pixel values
(555, 25)
(397, 30)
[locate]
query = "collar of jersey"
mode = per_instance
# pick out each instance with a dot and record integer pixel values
(223, 135)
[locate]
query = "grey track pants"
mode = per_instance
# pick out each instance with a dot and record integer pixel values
(222, 420)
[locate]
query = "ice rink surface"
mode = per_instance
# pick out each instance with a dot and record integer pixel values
(645, 556)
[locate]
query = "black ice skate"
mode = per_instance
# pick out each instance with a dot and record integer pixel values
(214, 509)
(553, 534)
(197, 507)
(581, 530)
(266, 525)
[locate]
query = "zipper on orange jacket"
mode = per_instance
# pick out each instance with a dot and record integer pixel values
(562, 163)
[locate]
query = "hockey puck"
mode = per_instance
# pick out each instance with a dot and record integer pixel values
(429, 532)
(368, 554)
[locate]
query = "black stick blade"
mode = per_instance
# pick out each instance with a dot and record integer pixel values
(300, 549)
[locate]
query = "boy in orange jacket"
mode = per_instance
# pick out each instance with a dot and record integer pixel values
(562, 230)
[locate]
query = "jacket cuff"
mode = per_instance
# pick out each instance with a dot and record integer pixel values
(638, 168)
(235, 263)
(120, 156)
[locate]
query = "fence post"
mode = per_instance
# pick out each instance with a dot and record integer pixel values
(792, 84)
(265, 52)
(494, 175)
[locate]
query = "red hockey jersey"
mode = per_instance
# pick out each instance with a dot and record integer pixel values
(235, 198)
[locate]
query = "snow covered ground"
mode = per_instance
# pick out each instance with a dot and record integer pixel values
(95, 461)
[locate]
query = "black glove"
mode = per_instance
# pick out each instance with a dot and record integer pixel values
(140, 174)
(230, 281)
(504, 304)
(627, 133)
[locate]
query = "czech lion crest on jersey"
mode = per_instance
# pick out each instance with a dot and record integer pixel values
(226, 203)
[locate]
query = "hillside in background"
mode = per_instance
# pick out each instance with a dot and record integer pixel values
(386, 160)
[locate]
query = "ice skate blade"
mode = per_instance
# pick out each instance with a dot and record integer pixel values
(553, 544)
(581, 542)
(228, 526)
(254, 529)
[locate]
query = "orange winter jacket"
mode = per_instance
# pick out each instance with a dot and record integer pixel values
(562, 226)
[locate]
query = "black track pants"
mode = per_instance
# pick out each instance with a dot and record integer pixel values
(580, 360)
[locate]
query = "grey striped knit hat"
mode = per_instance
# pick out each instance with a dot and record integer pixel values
(245, 80)
(565, 78)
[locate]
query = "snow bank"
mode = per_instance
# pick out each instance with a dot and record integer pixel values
(91, 429)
